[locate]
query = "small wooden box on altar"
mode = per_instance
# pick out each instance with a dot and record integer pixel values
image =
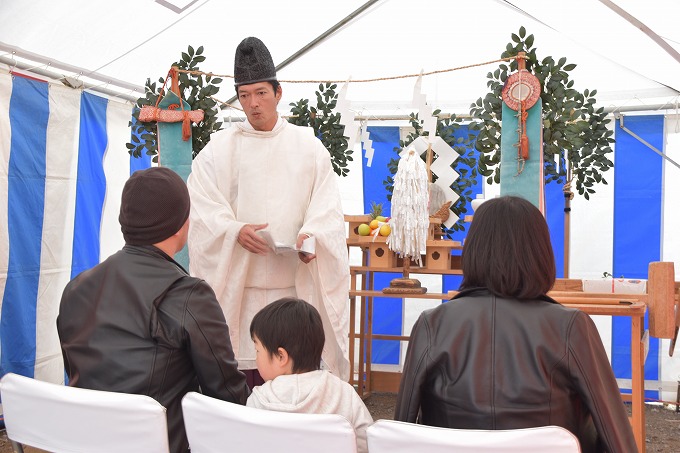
(439, 253)
(437, 256)
(380, 255)
(354, 221)
(435, 228)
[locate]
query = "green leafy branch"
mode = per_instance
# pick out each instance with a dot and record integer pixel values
(196, 89)
(326, 125)
(576, 140)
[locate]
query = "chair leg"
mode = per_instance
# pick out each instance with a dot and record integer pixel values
(18, 448)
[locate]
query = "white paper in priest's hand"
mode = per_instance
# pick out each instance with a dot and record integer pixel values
(308, 245)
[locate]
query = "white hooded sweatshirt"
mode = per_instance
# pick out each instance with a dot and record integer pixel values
(315, 392)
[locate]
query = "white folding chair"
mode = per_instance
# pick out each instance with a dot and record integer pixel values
(389, 436)
(214, 425)
(65, 419)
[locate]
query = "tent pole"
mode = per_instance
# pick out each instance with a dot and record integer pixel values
(637, 23)
(21, 66)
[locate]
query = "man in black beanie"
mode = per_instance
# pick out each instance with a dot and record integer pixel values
(267, 173)
(138, 323)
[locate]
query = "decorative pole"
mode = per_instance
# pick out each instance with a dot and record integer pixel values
(429, 162)
(522, 154)
(173, 117)
(568, 196)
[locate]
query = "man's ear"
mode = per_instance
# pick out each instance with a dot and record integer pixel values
(279, 93)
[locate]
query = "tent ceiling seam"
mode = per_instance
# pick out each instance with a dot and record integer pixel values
(152, 37)
(316, 41)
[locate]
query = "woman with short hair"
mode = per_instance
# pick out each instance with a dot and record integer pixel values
(502, 354)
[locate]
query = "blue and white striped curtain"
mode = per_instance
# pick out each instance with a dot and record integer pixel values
(628, 223)
(64, 163)
(63, 166)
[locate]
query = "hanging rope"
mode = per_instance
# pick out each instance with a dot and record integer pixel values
(440, 71)
(566, 190)
(522, 138)
(172, 115)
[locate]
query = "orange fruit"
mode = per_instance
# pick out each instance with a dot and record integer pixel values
(375, 223)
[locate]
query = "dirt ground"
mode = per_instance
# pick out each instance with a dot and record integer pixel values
(662, 424)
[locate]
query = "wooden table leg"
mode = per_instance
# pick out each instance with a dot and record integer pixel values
(369, 335)
(362, 345)
(352, 328)
(637, 352)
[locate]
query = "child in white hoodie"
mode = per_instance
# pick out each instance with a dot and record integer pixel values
(289, 338)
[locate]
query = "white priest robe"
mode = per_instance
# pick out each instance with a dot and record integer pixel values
(283, 178)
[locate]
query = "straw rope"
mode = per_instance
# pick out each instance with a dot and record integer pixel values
(406, 76)
(378, 79)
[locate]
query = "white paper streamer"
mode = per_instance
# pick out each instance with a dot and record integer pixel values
(424, 110)
(410, 219)
(347, 117)
(367, 144)
(446, 155)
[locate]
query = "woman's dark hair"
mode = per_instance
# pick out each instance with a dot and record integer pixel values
(508, 250)
(294, 325)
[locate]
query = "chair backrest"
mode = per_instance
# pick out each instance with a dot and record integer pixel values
(389, 436)
(214, 425)
(65, 419)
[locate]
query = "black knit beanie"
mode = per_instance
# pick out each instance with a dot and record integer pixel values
(154, 206)
(253, 63)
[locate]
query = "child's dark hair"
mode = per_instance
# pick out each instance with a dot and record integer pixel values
(294, 325)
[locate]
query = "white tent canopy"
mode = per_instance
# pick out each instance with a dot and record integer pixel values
(631, 58)
(123, 43)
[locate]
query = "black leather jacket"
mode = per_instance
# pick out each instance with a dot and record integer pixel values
(138, 323)
(484, 362)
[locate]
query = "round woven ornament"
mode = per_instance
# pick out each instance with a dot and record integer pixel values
(521, 86)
